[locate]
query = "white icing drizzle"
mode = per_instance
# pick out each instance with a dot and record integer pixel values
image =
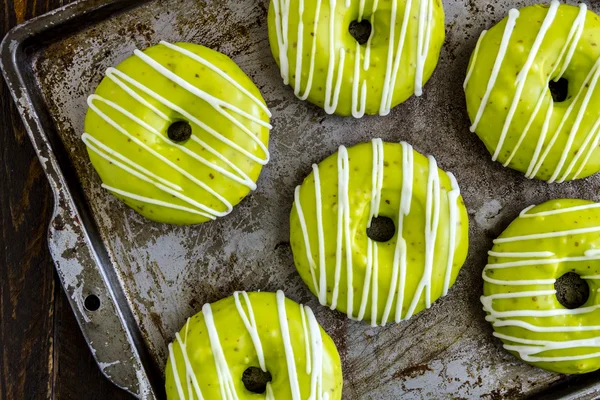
(399, 266)
(532, 254)
(250, 324)
(563, 61)
(238, 175)
(391, 71)
(432, 217)
(508, 30)
(577, 123)
(334, 83)
(583, 108)
(474, 60)
(522, 77)
(306, 339)
(529, 349)
(189, 370)
(424, 39)
(208, 212)
(220, 72)
(546, 235)
(557, 211)
(314, 352)
(453, 196)
(287, 345)
(226, 385)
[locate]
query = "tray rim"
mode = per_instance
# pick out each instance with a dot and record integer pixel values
(67, 219)
(70, 219)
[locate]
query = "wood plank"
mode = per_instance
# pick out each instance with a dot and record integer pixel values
(42, 352)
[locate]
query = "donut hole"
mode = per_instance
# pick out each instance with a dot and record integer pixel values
(559, 90)
(382, 229)
(255, 379)
(360, 31)
(179, 131)
(571, 291)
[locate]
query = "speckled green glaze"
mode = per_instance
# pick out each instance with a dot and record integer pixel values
(200, 77)
(585, 216)
(360, 193)
(240, 353)
(546, 66)
(382, 65)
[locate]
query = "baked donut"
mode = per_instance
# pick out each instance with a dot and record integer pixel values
(544, 243)
(326, 65)
(371, 280)
(211, 353)
(532, 91)
(178, 132)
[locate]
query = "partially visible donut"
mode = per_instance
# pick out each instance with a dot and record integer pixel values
(178, 132)
(533, 94)
(387, 280)
(326, 65)
(544, 243)
(210, 354)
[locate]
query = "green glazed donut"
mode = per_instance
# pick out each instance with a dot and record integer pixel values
(366, 279)
(511, 105)
(263, 330)
(178, 132)
(327, 66)
(541, 245)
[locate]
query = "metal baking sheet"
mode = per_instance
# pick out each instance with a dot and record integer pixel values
(150, 277)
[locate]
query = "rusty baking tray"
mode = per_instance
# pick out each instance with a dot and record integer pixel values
(150, 277)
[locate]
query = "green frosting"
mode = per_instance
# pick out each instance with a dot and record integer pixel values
(541, 245)
(378, 281)
(325, 65)
(179, 182)
(510, 102)
(262, 330)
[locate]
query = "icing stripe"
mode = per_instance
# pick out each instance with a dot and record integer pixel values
(474, 60)
(306, 340)
(209, 212)
(189, 370)
(508, 30)
(547, 235)
(591, 76)
(153, 201)
(359, 89)
(522, 77)
(226, 385)
(542, 262)
(557, 211)
(370, 286)
(289, 351)
(250, 324)
(424, 39)
(221, 73)
(521, 254)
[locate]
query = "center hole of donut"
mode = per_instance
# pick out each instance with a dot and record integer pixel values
(382, 229)
(255, 379)
(361, 31)
(179, 131)
(559, 90)
(571, 291)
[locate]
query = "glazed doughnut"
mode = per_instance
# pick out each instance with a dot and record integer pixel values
(509, 90)
(544, 243)
(178, 132)
(371, 280)
(263, 330)
(327, 66)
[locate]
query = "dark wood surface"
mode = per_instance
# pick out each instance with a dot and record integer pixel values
(42, 352)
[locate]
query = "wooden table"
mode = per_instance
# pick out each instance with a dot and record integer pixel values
(42, 352)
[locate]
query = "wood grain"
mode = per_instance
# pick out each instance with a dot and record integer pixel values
(42, 352)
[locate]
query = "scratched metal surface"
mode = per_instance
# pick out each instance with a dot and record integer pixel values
(168, 272)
